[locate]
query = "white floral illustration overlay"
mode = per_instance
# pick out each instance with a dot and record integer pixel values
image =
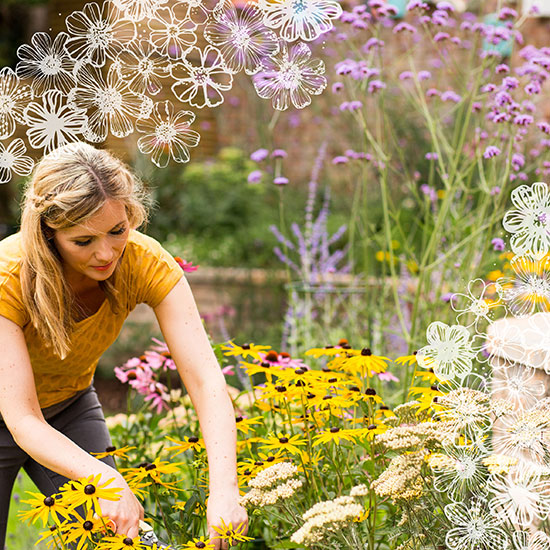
(103, 75)
(496, 472)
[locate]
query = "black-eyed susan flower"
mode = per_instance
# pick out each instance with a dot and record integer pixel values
(201, 542)
(54, 537)
(231, 534)
(290, 444)
(152, 471)
(333, 435)
(191, 442)
(113, 451)
(88, 491)
(82, 529)
(44, 509)
(244, 425)
(364, 363)
(261, 367)
(246, 350)
(406, 360)
(121, 542)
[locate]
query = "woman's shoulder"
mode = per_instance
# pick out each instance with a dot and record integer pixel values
(10, 255)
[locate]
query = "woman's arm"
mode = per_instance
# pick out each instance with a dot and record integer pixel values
(198, 367)
(22, 415)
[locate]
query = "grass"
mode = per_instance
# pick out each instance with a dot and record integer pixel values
(21, 536)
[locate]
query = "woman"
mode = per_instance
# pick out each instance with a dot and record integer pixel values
(68, 280)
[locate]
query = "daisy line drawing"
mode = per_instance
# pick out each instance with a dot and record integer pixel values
(46, 63)
(52, 123)
(290, 77)
(98, 33)
(14, 97)
(167, 135)
(529, 221)
(109, 105)
(201, 77)
(172, 33)
(242, 38)
(13, 159)
(527, 292)
(300, 19)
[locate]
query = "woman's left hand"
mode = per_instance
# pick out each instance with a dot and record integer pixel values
(224, 510)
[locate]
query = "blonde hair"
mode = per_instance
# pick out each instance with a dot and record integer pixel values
(67, 186)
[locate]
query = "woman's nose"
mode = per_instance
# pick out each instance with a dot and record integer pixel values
(104, 253)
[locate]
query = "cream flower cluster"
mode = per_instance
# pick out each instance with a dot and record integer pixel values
(266, 487)
(416, 435)
(401, 480)
(324, 517)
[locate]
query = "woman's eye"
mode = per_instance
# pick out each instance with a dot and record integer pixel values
(117, 232)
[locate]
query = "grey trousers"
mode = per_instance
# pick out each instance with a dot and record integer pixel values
(81, 421)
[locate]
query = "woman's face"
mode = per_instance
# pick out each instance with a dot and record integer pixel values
(90, 251)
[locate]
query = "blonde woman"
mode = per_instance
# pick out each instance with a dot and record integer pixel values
(68, 280)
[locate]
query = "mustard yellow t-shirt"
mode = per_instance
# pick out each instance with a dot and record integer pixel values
(147, 273)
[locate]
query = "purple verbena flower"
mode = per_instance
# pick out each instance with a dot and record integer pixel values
(337, 87)
(255, 176)
(507, 13)
(518, 161)
(431, 156)
(494, 190)
(510, 83)
(279, 153)
(375, 85)
(441, 36)
(259, 155)
(476, 106)
(544, 127)
(446, 6)
(280, 180)
(400, 27)
(502, 68)
(498, 244)
(424, 75)
(406, 75)
(432, 92)
(340, 160)
(450, 95)
(491, 151)
(533, 88)
(523, 120)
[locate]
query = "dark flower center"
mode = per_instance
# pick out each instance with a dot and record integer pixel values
(310, 395)
(258, 463)
(280, 388)
(245, 346)
(49, 501)
(193, 439)
(88, 525)
(272, 356)
(342, 342)
(89, 489)
(270, 458)
(128, 541)
(110, 449)
(300, 383)
(200, 544)
(283, 440)
(334, 430)
(238, 419)
(355, 388)
(370, 391)
(366, 351)
(150, 467)
(372, 427)
(265, 364)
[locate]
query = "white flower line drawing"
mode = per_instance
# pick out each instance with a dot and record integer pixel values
(97, 37)
(475, 304)
(13, 159)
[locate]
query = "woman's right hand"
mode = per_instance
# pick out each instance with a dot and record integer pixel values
(125, 512)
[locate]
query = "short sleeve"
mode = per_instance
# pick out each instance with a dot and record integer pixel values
(156, 271)
(11, 304)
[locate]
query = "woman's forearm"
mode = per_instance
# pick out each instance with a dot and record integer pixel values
(57, 452)
(217, 421)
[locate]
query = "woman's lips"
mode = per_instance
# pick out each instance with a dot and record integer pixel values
(102, 267)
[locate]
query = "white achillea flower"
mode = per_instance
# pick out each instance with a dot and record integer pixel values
(449, 351)
(522, 497)
(475, 527)
(300, 19)
(529, 222)
(528, 292)
(278, 472)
